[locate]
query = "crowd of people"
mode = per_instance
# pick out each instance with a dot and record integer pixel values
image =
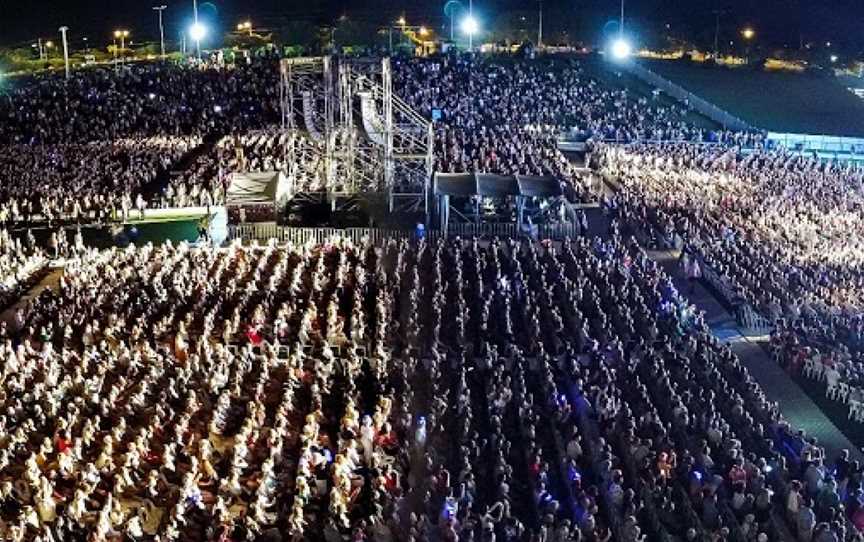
(782, 227)
(85, 182)
(94, 147)
(450, 390)
(505, 115)
(782, 231)
(21, 266)
(406, 391)
(140, 100)
(106, 134)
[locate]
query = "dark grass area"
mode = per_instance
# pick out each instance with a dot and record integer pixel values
(776, 101)
(836, 411)
(139, 234)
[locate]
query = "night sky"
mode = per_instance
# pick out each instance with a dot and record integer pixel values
(779, 22)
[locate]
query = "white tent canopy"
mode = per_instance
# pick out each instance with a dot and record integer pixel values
(269, 187)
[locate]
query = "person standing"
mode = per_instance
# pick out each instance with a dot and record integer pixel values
(140, 204)
(694, 273)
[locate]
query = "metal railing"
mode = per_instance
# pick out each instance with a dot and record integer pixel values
(266, 231)
(721, 116)
(751, 320)
(745, 314)
(544, 231)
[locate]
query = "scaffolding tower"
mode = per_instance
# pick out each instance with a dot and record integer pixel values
(358, 139)
(306, 95)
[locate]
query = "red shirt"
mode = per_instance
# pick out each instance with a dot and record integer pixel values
(63, 445)
(253, 336)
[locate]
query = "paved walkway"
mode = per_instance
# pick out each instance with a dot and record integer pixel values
(779, 387)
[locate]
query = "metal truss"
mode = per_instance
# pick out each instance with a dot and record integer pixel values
(357, 138)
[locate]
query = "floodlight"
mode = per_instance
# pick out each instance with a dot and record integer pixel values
(197, 31)
(470, 25)
(621, 49)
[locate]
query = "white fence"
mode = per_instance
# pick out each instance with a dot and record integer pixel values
(753, 321)
(265, 231)
(824, 146)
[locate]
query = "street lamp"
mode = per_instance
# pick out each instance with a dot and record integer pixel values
(197, 32)
(423, 31)
(748, 34)
(120, 35)
(245, 26)
(400, 22)
(160, 9)
(48, 46)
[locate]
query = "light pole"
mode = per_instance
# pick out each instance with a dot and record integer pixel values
(472, 25)
(540, 27)
(197, 37)
(63, 30)
(452, 15)
(48, 45)
(159, 10)
(717, 14)
(121, 35)
(748, 34)
(402, 22)
(621, 26)
(41, 49)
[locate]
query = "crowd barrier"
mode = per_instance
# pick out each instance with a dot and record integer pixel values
(746, 316)
(544, 231)
(751, 320)
(265, 231)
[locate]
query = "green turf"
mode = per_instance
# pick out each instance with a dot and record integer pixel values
(775, 101)
(175, 230)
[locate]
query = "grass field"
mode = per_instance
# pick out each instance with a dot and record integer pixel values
(781, 102)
